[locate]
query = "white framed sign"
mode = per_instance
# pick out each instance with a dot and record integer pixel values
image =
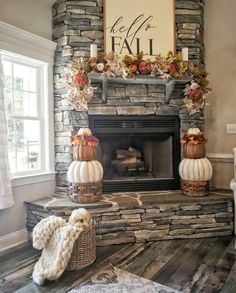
(132, 26)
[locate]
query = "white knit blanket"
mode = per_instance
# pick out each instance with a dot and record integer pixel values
(56, 237)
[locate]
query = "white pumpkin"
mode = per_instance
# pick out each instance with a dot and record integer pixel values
(85, 172)
(84, 131)
(195, 169)
(70, 172)
(193, 131)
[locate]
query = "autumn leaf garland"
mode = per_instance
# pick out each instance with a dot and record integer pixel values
(80, 91)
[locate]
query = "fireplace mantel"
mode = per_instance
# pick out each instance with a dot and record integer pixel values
(142, 79)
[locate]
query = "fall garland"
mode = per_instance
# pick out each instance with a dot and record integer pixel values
(80, 91)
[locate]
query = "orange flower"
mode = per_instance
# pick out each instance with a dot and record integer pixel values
(195, 94)
(81, 80)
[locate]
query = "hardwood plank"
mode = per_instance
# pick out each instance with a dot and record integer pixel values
(232, 246)
(189, 265)
(21, 279)
(148, 255)
(220, 272)
(69, 280)
(114, 259)
(174, 263)
(230, 284)
(16, 279)
(202, 273)
(154, 268)
(127, 261)
(193, 266)
(13, 259)
(20, 265)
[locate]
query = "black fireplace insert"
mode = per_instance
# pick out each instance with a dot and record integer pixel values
(138, 153)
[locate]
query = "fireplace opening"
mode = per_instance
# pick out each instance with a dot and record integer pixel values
(138, 153)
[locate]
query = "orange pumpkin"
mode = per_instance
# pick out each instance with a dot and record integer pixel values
(144, 67)
(133, 68)
(194, 151)
(84, 152)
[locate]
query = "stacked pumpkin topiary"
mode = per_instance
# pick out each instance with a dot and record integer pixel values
(85, 173)
(195, 169)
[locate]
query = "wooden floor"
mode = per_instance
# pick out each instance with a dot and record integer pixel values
(197, 265)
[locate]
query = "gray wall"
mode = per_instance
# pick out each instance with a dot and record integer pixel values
(220, 44)
(31, 15)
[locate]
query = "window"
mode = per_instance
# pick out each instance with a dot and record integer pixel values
(28, 65)
(24, 105)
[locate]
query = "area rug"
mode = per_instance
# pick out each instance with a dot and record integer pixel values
(114, 280)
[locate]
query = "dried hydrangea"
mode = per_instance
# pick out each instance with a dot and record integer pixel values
(80, 91)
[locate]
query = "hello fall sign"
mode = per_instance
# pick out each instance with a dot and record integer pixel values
(132, 26)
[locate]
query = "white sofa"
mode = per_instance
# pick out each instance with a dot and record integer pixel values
(233, 187)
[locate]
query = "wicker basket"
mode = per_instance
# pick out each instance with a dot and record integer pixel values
(194, 151)
(194, 188)
(85, 192)
(84, 250)
(84, 153)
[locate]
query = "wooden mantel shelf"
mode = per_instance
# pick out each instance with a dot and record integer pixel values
(142, 79)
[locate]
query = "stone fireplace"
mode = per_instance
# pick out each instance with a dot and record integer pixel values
(144, 117)
(77, 24)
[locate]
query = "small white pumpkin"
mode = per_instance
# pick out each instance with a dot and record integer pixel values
(195, 169)
(84, 131)
(85, 172)
(193, 131)
(194, 85)
(100, 67)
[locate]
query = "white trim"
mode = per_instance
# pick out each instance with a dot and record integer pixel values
(13, 239)
(233, 187)
(49, 121)
(21, 42)
(32, 179)
(221, 157)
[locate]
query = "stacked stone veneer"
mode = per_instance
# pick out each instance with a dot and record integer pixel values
(139, 217)
(77, 24)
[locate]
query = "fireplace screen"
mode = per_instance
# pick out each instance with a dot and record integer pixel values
(138, 152)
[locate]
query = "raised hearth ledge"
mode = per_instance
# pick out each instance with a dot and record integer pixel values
(146, 216)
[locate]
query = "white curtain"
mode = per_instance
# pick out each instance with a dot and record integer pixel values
(6, 199)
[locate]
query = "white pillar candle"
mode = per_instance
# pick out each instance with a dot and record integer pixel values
(93, 51)
(185, 54)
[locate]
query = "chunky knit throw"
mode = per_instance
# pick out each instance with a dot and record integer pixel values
(56, 237)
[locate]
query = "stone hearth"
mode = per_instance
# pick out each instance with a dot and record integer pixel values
(145, 216)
